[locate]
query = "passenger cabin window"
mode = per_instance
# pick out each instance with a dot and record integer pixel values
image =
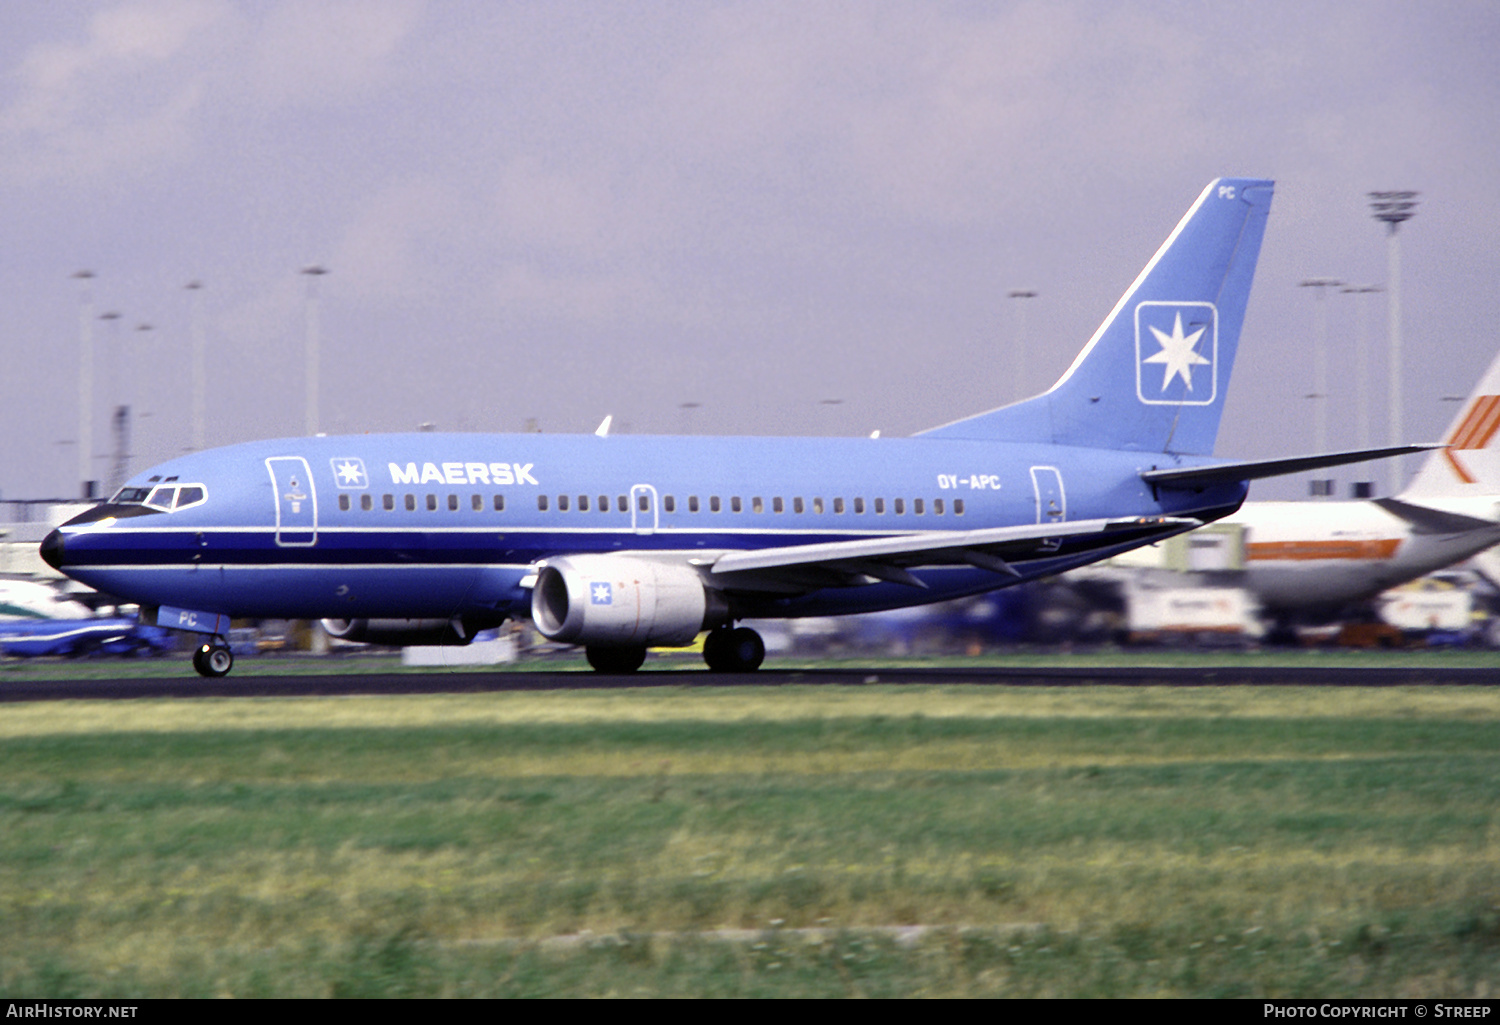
(477, 503)
(499, 503)
(411, 503)
(817, 506)
(797, 505)
(734, 504)
(624, 504)
(432, 503)
(900, 507)
(937, 507)
(859, 507)
(958, 507)
(583, 503)
(541, 503)
(692, 503)
(343, 503)
(387, 502)
(668, 504)
(562, 503)
(879, 507)
(838, 506)
(604, 503)
(453, 503)
(366, 501)
(916, 506)
(713, 503)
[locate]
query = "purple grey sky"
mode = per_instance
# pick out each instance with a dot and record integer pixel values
(557, 211)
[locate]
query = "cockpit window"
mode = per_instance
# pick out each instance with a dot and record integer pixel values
(164, 498)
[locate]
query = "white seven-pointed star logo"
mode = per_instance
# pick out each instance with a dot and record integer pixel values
(1177, 353)
(350, 473)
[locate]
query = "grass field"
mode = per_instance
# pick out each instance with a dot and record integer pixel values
(1078, 841)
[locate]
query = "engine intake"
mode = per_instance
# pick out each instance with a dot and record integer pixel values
(622, 600)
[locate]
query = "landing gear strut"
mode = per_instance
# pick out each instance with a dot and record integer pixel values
(213, 659)
(738, 650)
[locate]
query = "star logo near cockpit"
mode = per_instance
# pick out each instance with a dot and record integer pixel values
(349, 473)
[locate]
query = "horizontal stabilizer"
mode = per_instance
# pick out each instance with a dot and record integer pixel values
(1428, 520)
(1225, 473)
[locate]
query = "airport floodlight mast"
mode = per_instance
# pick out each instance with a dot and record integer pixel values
(831, 406)
(200, 377)
(120, 422)
(1362, 488)
(1320, 486)
(86, 480)
(1394, 208)
(139, 414)
(1018, 383)
(313, 274)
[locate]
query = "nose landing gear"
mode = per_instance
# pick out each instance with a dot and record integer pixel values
(213, 659)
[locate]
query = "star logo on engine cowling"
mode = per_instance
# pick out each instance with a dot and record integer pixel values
(601, 594)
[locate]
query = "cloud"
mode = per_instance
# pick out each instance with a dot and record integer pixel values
(116, 100)
(318, 54)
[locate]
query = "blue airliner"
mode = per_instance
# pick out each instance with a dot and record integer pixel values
(621, 543)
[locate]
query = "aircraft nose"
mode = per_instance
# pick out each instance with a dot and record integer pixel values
(52, 550)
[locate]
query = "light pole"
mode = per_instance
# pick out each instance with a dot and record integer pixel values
(143, 356)
(313, 274)
(684, 415)
(120, 421)
(1362, 488)
(1018, 369)
(200, 374)
(832, 405)
(1393, 208)
(87, 484)
(1320, 487)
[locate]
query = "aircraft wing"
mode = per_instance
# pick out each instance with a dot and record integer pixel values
(1224, 473)
(869, 560)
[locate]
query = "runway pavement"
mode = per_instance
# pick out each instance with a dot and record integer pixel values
(176, 680)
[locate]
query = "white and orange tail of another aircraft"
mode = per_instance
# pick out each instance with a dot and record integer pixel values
(1468, 465)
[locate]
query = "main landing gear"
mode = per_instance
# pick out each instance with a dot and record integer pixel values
(213, 658)
(725, 649)
(733, 650)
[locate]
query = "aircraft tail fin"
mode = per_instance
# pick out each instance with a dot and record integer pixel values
(1153, 377)
(1469, 462)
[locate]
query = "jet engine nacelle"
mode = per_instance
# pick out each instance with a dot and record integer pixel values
(622, 600)
(398, 632)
